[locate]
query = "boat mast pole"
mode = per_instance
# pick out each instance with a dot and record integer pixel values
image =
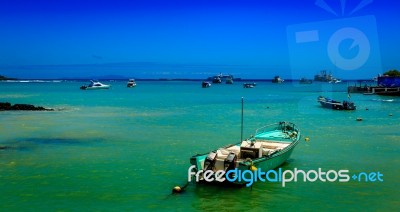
(241, 131)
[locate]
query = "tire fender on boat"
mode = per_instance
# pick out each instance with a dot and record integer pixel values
(293, 134)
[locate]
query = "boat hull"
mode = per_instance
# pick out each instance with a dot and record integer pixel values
(249, 85)
(272, 147)
(96, 88)
(266, 164)
(95, 85)
(335, 105)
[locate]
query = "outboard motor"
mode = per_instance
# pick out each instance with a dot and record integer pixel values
(230, 161)
(345, 104)
(210, 161)
(352, 106)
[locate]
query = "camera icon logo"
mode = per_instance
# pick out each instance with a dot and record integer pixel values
(343, 45)
(359, 40)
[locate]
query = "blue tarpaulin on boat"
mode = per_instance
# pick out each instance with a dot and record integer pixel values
(389, 81)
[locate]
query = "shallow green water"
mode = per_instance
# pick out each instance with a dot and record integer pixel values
(124, 149)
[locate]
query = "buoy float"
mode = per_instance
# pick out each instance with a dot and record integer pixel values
(177, 189)
(307, 139)
(359, 119)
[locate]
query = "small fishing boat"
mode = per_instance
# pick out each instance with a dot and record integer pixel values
(131, 83)
(229, 80)
(205, 84)
(305, 81)
(277, 79)
(269, 148)
(94, 85)
(217, 79)
(249, 85)
(332, 104)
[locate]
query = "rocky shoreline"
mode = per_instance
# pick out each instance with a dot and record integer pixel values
(9, 106)
(6, 78)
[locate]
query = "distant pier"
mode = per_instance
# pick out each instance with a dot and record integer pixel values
(388, 86)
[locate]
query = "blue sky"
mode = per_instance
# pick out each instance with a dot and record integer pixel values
(193, 38)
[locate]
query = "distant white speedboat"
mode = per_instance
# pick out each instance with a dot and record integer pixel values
(94, 85)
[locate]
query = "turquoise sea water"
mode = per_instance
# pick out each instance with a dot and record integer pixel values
(125, 149)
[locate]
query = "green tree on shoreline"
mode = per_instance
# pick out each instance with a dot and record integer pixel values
(392, 73)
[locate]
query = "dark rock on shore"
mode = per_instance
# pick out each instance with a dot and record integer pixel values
(6, 78)
(8, 106)
(5, 147)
